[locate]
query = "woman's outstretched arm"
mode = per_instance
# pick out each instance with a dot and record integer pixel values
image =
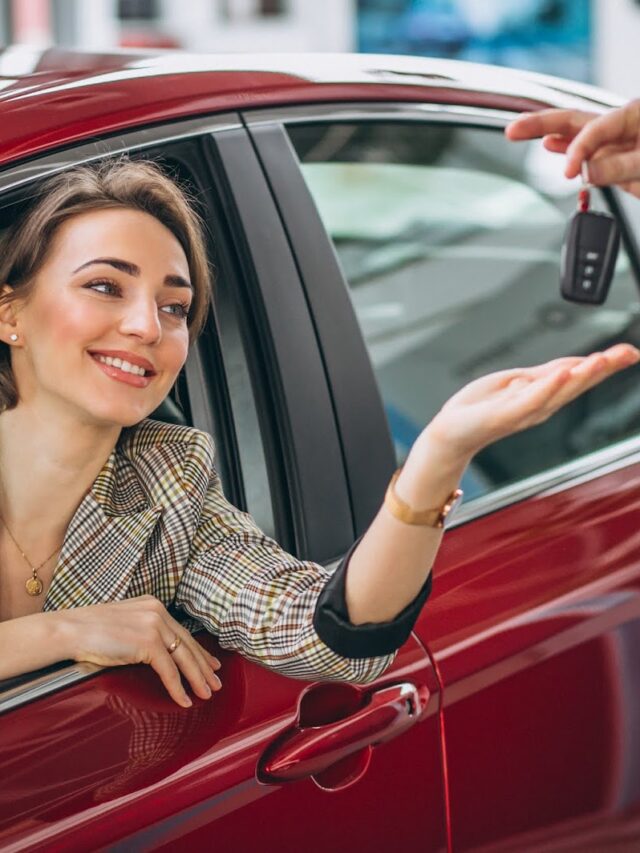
(393, 560)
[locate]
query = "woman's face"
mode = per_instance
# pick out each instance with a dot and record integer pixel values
(104, 330)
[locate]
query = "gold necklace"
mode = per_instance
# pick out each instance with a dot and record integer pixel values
(33, 585)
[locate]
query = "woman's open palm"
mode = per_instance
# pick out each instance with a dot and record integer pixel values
(509, 401)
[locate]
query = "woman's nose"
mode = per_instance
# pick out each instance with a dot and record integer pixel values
(141, 319)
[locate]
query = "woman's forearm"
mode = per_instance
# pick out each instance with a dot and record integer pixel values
(391, 563)
(31, 642)
(393, 560)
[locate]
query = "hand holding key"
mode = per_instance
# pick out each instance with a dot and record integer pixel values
(610, 143)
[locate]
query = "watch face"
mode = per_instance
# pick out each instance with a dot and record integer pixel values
(453, 506)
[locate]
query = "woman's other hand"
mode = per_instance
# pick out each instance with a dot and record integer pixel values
(141, 630)
(610, 143)
(503, 403)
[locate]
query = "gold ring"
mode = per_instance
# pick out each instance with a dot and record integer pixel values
(174, 645)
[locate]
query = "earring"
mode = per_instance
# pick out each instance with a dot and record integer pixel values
(13, 337)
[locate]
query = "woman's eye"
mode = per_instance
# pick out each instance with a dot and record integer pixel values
(103, 285)
(112, 288)
(177, 309)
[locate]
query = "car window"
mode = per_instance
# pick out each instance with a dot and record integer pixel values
(449, 240)
(178, 408)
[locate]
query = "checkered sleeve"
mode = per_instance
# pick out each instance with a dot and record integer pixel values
(259, 600)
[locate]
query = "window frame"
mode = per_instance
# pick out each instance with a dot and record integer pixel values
(315, 522)
(14, 177)
(369, 473)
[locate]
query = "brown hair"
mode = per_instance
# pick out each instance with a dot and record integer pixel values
(117, 183)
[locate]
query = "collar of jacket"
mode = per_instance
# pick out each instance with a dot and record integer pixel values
(105, 539)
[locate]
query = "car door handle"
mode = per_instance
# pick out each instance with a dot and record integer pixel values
(302, 752)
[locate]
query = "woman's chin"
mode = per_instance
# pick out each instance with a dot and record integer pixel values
(118, 416)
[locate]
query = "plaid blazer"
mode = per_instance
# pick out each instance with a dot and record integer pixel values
(156, 522)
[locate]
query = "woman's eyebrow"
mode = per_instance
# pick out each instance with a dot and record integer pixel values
(134, 270)
(177, 281)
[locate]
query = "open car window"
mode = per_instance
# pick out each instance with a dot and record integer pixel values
(449, 240)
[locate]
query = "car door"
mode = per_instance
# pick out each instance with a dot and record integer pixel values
(439, 242)
(93, 758)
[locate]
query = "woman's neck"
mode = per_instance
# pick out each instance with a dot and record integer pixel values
(47, 466)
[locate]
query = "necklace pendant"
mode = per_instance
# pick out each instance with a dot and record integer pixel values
(34, 586)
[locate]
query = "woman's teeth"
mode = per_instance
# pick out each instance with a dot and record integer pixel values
(125, 366)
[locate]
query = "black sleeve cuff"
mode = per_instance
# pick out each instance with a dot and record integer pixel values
(371, 639)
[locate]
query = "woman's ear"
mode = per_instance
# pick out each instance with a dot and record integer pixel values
(9, 333)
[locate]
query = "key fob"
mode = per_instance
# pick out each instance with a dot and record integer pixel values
(589, 256)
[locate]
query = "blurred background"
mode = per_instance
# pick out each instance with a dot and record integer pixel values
(589, 40)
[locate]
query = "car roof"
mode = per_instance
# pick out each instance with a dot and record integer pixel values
(50, 98)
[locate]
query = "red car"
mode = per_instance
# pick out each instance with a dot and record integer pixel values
(378, 243)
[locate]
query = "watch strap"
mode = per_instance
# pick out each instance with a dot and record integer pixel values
(401, 510)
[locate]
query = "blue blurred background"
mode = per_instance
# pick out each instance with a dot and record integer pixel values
(594, 41)
(551, 36)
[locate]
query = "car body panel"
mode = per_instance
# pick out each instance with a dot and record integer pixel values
(111, 760)
(533, 602)
(122, 91)
(114, 761)
(534, 618)
(534, 625)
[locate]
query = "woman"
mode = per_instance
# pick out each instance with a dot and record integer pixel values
(108, 519)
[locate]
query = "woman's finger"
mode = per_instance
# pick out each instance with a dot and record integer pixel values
(523, 403)
(204, 663)
(180, 646)
(538, 370)
(590, 371)
(191, 663)
(208, 663)
(617, 356)
(162, 662)
(212, 660)
(537, 393)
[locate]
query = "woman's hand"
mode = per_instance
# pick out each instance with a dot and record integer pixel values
(140, 630)
(391, 562)
(503, 403)
(610, 143)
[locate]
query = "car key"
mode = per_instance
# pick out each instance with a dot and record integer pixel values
(589, 252)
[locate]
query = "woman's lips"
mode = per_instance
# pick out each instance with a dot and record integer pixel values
(129, 357)
(132, 379)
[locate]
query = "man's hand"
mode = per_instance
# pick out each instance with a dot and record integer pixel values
(609, 143)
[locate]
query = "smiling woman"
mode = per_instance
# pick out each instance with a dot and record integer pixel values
(105, 283)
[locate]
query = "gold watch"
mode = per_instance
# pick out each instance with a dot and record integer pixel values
(425, 517)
